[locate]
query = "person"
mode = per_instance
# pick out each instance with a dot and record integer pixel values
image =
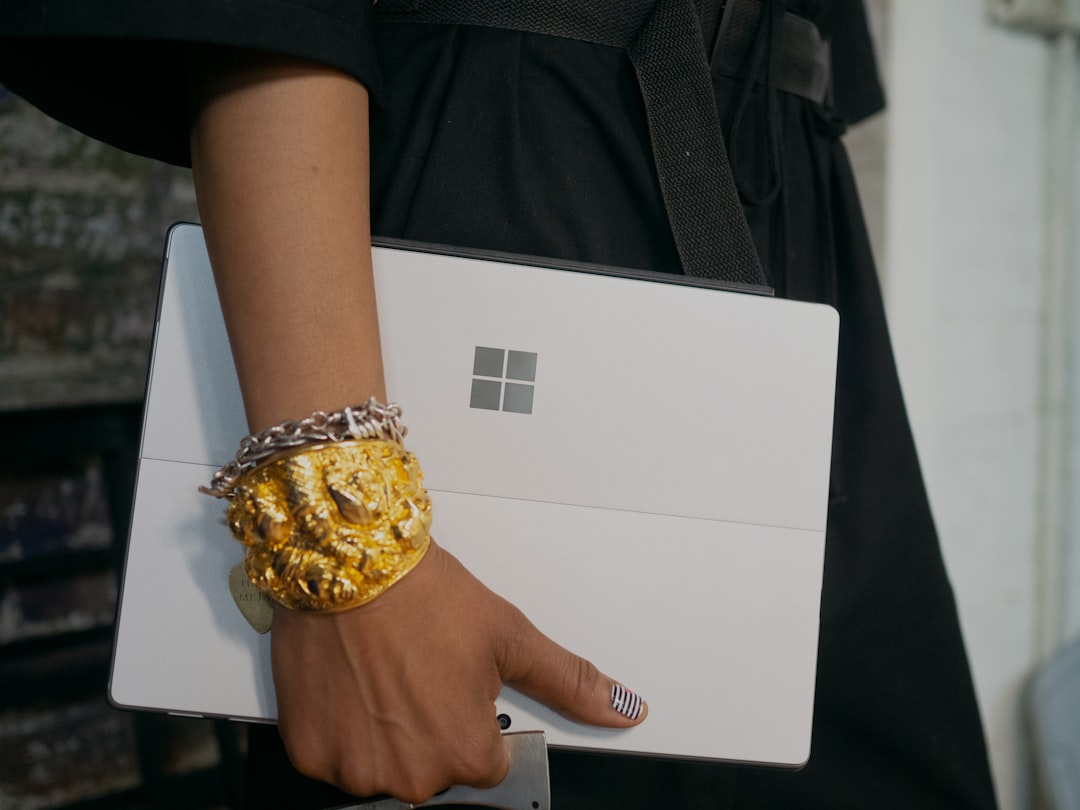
(308, 125)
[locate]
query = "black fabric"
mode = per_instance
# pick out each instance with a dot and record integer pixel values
(562, 169)
(800, 60)
(532, 144)
(684, 127)
(857, 91)
(90, 85)
(116, 69)
(665, 44)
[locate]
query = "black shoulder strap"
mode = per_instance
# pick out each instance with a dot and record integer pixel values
(664, 41)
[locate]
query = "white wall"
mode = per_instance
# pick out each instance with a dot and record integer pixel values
(966, 249)
(1071, 562)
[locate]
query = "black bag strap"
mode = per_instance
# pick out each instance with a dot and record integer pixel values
(664, 41)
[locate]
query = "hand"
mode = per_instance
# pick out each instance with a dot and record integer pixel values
(398, 696)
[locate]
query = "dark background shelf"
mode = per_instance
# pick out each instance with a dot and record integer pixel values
(66, 480)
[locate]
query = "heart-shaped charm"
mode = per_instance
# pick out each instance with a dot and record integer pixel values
(255, 605)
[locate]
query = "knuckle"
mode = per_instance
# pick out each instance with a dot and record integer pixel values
(482, 777)
(483, 762)
(304, 757)
(479, 773)
(583, 678)
(315, 763)
(306, 761)
(354, 780)
(416, 789)
(513, 629)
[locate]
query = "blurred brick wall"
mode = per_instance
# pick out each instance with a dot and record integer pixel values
(82, 228)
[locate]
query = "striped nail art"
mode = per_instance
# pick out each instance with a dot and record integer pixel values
(625, 702)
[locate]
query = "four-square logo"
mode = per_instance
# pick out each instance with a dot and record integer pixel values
(503, 380)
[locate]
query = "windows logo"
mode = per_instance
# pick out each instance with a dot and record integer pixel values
(503, 380)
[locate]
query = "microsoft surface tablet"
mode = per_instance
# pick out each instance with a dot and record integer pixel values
(641, 465)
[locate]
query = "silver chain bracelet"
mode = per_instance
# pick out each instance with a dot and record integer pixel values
(372, 420)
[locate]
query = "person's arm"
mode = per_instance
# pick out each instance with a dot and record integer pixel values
(280, 159)
(396, 696)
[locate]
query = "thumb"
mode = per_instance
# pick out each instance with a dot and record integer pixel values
(535, 665)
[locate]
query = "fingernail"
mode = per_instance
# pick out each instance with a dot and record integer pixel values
(626, 702)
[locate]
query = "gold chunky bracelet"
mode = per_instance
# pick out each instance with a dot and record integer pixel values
(331, 526)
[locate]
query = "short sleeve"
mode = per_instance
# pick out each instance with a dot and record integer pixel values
(115, 69)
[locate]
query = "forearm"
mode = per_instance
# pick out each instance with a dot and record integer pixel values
(398, 695)
(280, 160)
